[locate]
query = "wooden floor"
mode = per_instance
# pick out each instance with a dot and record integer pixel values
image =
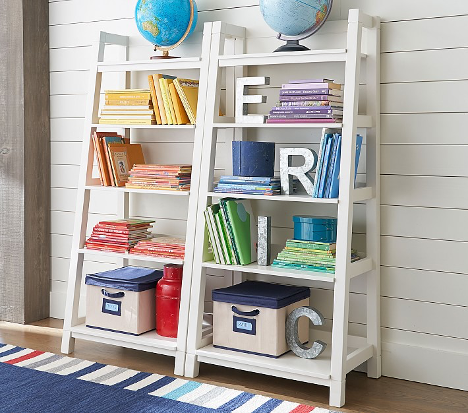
(363, 395)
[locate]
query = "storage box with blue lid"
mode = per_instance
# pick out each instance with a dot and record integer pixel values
(122, 300)
(251, 317)
(317, 229)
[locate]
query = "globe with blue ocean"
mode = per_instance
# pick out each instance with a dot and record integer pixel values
(164, 23)
(295, 20)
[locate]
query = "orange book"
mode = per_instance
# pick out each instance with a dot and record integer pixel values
(122, 158)
(100, 155)
(105, 140)
(181, 115)
(154, 99)
(159, 98)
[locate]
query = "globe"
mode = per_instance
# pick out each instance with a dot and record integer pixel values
(295, 20)
(165, 23)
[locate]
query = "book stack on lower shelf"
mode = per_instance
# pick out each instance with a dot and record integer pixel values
(228, 226)
(328, 166)
(162, 246)
(309, 101)
(118, 235)
(128, 107)
(160, 177)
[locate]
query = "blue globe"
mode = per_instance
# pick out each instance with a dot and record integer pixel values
(164, 22)
(293, 17)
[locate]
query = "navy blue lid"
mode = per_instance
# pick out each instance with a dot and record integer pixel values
(126, 278)
(261, 294)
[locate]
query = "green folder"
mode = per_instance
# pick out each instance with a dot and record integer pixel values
(239, 219)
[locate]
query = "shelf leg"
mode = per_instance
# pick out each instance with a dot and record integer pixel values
(179, 367)
(192, 366)
(68, 343)
(337, 393)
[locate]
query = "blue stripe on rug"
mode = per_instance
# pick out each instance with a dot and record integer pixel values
(268, 406)
(237, 401)
(32, 391)
(132, 380)
(182, 390)
(12, 351)
(157, 384)
(86, 370)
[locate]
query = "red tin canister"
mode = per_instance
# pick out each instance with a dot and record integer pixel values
(168, 300)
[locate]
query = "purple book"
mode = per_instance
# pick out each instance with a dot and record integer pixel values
(292, 98)
(311, 81)
(304, 109)
(302, 116)
(301, 121)
(312, 85)
(311, 103)
(316, 91)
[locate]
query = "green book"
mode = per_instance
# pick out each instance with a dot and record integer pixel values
(222, 237)
(239, 220)
(212, 212)
(229, 234)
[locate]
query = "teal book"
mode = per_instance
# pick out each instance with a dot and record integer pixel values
(239, 220)
(229, 233)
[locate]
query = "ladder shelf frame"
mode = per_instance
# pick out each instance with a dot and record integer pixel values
(73, 325)
(341, 357)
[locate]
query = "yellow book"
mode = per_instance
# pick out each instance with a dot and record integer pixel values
(188, 93)
(127, 122)
(154, 99)
(166, 101)
(128, 94)
(162, 110)
(168, 82)
(181, 115)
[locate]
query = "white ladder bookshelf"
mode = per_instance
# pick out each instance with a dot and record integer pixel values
(74, 326)
(344, 352)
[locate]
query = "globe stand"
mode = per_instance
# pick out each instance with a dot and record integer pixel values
(291, 46)
(165, 55)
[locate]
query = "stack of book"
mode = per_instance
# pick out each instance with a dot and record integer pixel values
(165, 247)
(115, 157)
(119, 235)
(328, 166)
(309, 101)
(128, 107)
(309, 255)
(254, 185)
(162, 177)
(174, 99)
(228, 226)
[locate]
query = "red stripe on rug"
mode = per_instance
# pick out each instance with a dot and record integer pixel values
(302, 408)
(25, 357)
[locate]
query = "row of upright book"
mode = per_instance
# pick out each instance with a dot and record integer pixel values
(309, 101)
(168, 101)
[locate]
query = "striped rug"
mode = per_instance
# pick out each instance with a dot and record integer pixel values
(190, 396)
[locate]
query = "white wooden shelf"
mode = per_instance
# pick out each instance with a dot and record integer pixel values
(150, 65)
(103, 126)
(281, 58)
(288, 366)
(150, 341)
(123, 189)
(363, 121)
(127, 256)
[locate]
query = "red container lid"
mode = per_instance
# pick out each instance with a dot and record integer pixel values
(173, 271)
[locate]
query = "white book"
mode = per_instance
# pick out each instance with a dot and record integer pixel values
(216, 237)
(212, 238)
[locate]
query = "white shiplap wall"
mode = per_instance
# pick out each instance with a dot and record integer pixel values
(424, 172)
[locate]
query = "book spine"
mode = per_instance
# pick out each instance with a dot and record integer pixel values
(301, 120)
(329, 179)
(300, 92)
(159, 98)
(222, 236)
(313, 103)
(326, 161)
(154, 99)
(128, 96)
(98, 158)
(211, 237)
(185, 101)
(167, 82)
(127, 121)
(248, 187)
(296, 98)
(319, 166)
(302, 116)
(250, 179)
(230, 233)
(304, 110)
(318, 85)
(162, 83)
(216, 236)
(128, 102)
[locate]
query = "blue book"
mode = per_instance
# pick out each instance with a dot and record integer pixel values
(249, 180)
(253, 158)
(334, 149)
(318, 172)
(335, 185)
(326, 160)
